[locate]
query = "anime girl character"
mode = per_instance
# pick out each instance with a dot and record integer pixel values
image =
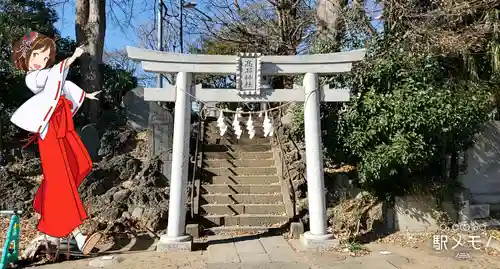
(48, 115)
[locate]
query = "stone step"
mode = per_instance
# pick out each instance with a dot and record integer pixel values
(239, 163)
(241, 189)
(238, 155)
(240, 171)
(274, 198)
(240, 180)
(243, 220)
(479, 211)
(489, 223)
(488, 198)
(236, 148)
(216, 139)
(229, 209)
(239, 230)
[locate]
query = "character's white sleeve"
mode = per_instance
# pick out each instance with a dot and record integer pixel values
(36, 80)
(35, 114)
(75, 94)
(44, 132)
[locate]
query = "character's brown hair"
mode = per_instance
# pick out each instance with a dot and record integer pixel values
(22, 49)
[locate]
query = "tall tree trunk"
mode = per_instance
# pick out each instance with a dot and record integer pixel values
(330, 22)
(90, 31)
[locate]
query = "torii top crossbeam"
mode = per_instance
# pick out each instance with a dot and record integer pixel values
(166, 62)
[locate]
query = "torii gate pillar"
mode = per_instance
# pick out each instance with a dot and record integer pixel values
(314, 166)
(176, 239)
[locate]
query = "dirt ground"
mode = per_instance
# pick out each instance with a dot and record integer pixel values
(382, 256)
(400, 250)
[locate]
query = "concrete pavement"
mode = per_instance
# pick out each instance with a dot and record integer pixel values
(276, 252)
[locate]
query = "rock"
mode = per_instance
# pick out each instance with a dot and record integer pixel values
(107, 144)
(145, 197)
(157, 222)
(37, 244)
(113, 141)
(296, 229)
(126, 215)
(17, 192)
(287, 119)
(137, 109)
(29, 153)
(31, 167)
(121, 195)
(137, 213)
(105, 261)
(132, 167)
(90, 139)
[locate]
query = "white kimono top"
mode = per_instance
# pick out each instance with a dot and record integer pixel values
(48, 85)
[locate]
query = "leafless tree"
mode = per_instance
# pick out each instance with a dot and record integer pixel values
(118, 58)
(267, 26)
(90, 24)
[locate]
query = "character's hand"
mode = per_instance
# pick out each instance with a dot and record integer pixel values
(78, 51)
(92, 95)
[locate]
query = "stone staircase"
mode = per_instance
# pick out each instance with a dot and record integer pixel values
(240, 186)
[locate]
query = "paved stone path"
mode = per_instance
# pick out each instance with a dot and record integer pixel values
(278, 253)
(251, 250)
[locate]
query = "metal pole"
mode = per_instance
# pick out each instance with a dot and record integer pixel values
(159, 41)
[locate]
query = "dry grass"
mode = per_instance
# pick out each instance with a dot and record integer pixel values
(28, 231)
(141, 149)
(353, 217)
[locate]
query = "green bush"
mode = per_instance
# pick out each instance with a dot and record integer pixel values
(406, 114)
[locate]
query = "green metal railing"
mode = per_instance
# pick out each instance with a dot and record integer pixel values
(10, 254)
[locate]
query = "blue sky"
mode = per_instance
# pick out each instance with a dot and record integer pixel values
(118, 36)
(115, 36)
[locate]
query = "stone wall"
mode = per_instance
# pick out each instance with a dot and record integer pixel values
(483, 172)
(419, 213)
(294, 158)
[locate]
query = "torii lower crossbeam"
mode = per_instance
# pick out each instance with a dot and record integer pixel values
(232, 95)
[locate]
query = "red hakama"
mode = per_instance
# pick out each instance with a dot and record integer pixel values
(65, 164)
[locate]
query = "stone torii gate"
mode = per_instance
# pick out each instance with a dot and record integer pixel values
(249, 69)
